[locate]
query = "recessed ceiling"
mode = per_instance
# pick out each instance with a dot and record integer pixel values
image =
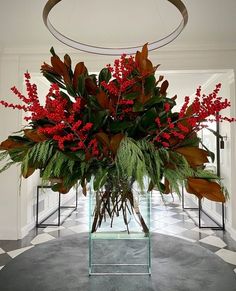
(117, 22)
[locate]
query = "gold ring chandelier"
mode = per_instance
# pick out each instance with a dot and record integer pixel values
(114, 51)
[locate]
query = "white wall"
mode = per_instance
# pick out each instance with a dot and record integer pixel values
(15, 218)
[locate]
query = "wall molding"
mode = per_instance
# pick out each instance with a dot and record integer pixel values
(31, 49)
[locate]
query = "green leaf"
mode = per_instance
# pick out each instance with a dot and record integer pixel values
(70, 90)
(118, 126)
(6, 166)
(65, 96)
(153, 101)
(78, 155)
(149, 117)
(104, 75)
(131, 96)
(100, 179)
(17, 155)
(81, 85)
(52, 51)
(149, 84)
(210, 153)
(54, 79)
(138, 106)
(98, 119)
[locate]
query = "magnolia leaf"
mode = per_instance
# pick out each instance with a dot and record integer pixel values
(103, 138)
(80, 69)
(61, 188)
(167, 186)
(28, 173)
(210, 153)
(191, 190)
(104, 75)
(102, 99)
(144, 52)
(153, 101)
(149, 83)
(98, 119)
(118, 126)
(138, 106)
(52, 78)
(115, 142)
(208, 189)
(34, 135)
(81, 85)
(159, 79)
(131, 96)
(164, 87)
(67, 61)
(148, 117)
(84, 189)
(60, 68)
(144, 65)
(194, 155)
(52, 51)
(189, 111)
(91, 86)
(144, 98)
(11, 144)
(65, 96)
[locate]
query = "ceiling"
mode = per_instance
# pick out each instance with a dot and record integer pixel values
(118, 23)
(211, 24)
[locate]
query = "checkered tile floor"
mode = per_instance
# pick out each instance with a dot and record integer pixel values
(167, 218)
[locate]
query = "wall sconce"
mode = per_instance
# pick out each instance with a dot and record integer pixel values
(222, 143)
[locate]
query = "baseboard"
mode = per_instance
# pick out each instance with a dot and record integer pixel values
(26, 229)
(231, 231)
(8, 234)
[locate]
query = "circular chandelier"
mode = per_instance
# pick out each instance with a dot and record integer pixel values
(109, 50)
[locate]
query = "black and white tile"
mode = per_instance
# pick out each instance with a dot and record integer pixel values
(167, 217)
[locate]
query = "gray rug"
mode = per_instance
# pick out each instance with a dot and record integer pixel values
(177, 265)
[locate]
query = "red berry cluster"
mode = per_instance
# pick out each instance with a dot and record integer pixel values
(190, 118)
(63, 118)
(121, 72)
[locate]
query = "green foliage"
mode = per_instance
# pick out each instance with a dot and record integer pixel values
(58, 166)
(130, 160)
(6, 166)
(104, 75)
(3, 155)
(40, 153)
(176, 169)
(153, 162)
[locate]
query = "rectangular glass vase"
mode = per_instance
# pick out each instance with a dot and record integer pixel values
(118, 246)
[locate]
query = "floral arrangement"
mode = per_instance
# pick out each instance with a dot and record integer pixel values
(118, 127)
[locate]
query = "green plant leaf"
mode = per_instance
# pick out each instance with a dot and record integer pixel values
(104, 75)
(131, 96)
(148, 118)
(119, 126)
(100, 178)
(149, 84)
(138, 106)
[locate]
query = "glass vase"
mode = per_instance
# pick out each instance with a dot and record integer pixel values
(119, 231)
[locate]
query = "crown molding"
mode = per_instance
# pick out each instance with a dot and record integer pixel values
(61, 49)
